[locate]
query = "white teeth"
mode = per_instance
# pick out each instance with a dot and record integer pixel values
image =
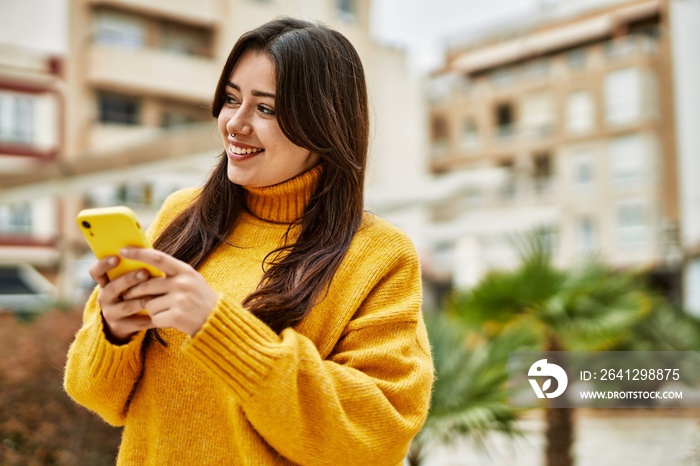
(242, 151)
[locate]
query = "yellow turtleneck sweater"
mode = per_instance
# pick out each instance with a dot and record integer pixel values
(350, 385)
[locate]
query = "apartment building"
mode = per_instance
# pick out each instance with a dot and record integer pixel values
(577, 113)
(31, 101)
(139, 78)
(30, 126)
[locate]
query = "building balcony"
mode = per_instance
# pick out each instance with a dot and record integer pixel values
(152, 71)
(202, 12)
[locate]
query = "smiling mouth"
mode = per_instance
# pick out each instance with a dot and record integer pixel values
(243, 151)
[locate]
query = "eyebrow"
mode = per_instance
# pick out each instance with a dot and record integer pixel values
(255, 93)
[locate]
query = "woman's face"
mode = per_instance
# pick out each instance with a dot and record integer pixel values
(259, 154)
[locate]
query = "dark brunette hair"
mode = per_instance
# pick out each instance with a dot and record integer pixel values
(321, 105)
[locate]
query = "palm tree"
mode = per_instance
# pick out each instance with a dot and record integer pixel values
(586, 308)
(469, 395)
(665, 329)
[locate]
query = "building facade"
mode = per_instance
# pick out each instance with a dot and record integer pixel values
(31, 104)
(31, 101)
(577, 114)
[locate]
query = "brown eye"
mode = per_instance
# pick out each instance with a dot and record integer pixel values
(266, 110)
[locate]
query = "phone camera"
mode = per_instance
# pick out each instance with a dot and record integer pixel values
(86, 224)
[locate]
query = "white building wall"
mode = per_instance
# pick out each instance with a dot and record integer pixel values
(397, 146)
(46, 129)
(44, 218)
(691, 285)
(685, 36)
(685, 41)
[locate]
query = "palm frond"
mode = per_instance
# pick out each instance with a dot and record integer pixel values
(470, 392)
(588, 307)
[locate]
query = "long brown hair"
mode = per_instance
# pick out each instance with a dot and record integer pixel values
(321, 105)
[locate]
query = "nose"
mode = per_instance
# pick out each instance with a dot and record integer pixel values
(239, 122)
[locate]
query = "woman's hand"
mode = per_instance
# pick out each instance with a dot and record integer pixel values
(121, 317)
(182, 299)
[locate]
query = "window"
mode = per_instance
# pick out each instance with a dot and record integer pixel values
(117, 108)
(174, 114)
(440, 130)
(16, 118)
(631, 224)
(175, 119)
(621, 47)
(538, 114)
(129, 30)
(439, 89)
(586, 235)
(623, 96)
(543, 172)
(16, 218)
(135, 193)
(347, 8)
(473, 197)
(185, 40)
(470, 135)
(628, 159)
(120, 28)
(505, 121)
(510, 184)
(102, 195)
(537, 68)
(583, 170)
(502, 77)
(147, 192)
(576, 58)
(440, 135)
(580, 112)
(548, 235)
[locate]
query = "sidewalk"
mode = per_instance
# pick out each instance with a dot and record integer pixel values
(653, 437)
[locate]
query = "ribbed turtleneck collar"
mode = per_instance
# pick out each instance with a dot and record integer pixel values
(283, 202)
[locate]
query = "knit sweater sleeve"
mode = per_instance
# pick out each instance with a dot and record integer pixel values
(360, 404)
(99, 374)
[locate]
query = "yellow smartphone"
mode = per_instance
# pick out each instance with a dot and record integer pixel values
(108, 230)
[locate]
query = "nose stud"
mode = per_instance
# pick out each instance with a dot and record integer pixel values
(232, 135)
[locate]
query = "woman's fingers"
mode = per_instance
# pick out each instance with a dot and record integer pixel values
(160, 260)
(113, 292)
(133, 306)
(121, 330)
(153, 287)
(122, 316)
(98, 270)
(182, 299)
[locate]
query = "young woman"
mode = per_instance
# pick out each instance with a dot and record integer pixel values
(288, 327)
